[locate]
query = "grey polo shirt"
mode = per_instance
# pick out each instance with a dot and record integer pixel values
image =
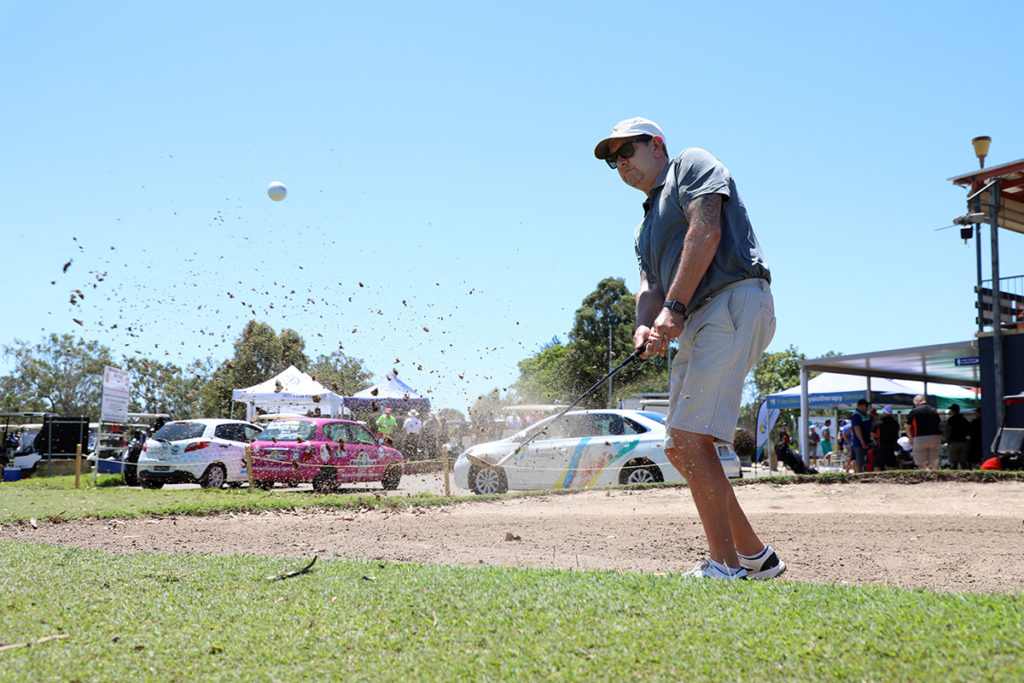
(659, 239)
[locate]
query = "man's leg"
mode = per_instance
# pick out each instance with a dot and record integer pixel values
(726, 526)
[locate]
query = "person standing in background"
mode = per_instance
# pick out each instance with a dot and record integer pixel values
(923, 424)
(888, 435)
(958, 431)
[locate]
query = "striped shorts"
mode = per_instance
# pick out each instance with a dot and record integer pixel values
(720, 343)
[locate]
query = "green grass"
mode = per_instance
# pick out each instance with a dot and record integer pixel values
(43, 498)
(202, 617)
(198, 617)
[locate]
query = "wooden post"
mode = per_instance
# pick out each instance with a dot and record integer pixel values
(248, 465)
(78, 463)
(446, 466)
(99, 440)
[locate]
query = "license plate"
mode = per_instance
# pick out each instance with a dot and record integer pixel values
(162, 468)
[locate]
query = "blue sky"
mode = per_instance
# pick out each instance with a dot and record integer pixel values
(445, 214)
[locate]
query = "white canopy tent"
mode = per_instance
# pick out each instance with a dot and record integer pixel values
(289, 392)
(391, 393)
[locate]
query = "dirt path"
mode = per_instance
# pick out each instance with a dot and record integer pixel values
(945, 536)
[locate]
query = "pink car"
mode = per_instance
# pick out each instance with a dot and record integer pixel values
(327, 452)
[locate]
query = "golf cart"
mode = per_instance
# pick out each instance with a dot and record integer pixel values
(49, 444)
(1008, 446)
(17, 450)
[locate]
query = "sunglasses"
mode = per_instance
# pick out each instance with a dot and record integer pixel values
(626, 151)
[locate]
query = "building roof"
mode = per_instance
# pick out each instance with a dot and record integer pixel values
(1011, 188)
(954, 363)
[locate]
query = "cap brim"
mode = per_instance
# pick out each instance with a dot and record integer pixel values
(601, 151)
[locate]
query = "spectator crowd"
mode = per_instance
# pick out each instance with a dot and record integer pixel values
(866, 441)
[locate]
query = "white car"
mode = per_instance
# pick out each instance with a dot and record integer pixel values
(210, 452)
(584, 448)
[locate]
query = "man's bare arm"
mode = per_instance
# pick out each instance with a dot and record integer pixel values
(649, 300)
(705, 217)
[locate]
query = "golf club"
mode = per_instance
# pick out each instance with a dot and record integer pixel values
(629, 359)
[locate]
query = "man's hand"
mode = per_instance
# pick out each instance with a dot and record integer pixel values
(641, 337)
(667, 326)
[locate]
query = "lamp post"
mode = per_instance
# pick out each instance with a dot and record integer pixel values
(981, 144)
(611, 327)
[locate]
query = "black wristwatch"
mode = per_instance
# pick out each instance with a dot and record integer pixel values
(678, 307)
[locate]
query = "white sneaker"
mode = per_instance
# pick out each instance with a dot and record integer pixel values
(706, 570)
(767, 566)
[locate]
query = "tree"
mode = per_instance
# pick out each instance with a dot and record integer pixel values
(260, 353)
(775, 372)
(341, 374)
(450, 416)
(62, 374)
(540, 376)
(560, 373)
(772, 373)
(608, 310)
(744, 444)
(165, 388)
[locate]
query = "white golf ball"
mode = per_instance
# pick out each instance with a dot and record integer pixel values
(276, 191)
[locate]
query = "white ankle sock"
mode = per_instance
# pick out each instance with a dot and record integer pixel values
(724, 569)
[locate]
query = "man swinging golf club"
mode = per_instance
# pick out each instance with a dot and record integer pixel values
(705, 282)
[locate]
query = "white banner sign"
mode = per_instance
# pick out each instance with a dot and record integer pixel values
(116, 386)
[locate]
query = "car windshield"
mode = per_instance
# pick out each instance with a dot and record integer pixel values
(179, 431)
(288, 430)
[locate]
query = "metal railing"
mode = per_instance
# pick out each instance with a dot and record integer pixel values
(1011, 301)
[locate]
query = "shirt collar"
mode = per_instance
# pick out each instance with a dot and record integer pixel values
(660, 183)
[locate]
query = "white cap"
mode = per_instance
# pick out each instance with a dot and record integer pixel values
(887, 410)
(630, 128)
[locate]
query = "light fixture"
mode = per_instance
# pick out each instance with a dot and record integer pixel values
(981, 144)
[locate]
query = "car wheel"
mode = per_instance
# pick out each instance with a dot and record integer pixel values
(324, 481)
(643, 472)
(487, 481)
(264, 485)
(214, 477)
(130, 471)
(151, 484)
(391, 477)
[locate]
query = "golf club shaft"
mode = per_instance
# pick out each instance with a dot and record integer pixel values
(629, 359)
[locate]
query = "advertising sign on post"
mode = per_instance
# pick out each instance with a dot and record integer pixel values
(116, 385)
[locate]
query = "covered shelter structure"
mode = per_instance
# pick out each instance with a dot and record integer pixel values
(391, 393)
(290, 391)
(995, 195)
(955, 363)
